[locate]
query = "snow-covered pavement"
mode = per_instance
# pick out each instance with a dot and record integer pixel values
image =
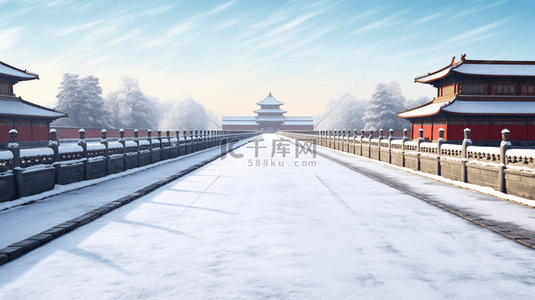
(233, 229)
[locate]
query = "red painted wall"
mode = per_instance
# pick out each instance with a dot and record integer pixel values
(480, 132)
(455, 132)
(41, 133)
(518, 132)
(4, 133)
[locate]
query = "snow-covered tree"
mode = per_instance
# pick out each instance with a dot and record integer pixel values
(381, 109)
(81, 98)
(188, 114)
(341, 113)
(130, 108)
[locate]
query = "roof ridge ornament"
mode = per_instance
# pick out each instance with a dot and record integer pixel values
(452, 61)
(463, 57)
(270, 94)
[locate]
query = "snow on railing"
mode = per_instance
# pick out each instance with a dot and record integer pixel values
(115, 148)
(70, 152)
(483, 154)
(95, 150)
(397, 144)
(130, 147)
(451, 150)
(36, 156)
(521, 157)
(6, 159)
(429, 148)
(411, 145)
(144, 145)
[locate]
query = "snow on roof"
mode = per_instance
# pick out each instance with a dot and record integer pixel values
(14, 106)
(496, 69)
(11, 71)
(491, 107)
(270, 118)
(482, 67)
(270, 101)
(298, 121)
(433, 76)
(471, 107)
(270, 110)
(239, 121)
(428, 109)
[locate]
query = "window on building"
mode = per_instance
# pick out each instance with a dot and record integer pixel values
(503, 89)
(474, 89)
(447, 90)
(5, 88)
(528, 89)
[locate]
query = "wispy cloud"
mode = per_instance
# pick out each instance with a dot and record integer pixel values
(426, 19)
(124, 38)
(78, 28)
(227, 24)
(478, 8)
(387, 22)
(471, 34)
(169, 36)
(9, 37)
(97, 60)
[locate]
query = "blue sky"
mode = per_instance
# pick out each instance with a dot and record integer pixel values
(229, 54)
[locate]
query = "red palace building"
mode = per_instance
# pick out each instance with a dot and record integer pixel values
(32, 121)
(483, 95)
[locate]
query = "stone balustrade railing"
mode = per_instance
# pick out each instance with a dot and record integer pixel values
(25, 172)
(506, 169)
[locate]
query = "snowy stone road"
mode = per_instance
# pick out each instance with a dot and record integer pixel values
(236, 230)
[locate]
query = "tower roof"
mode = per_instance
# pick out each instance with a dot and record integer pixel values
(17, 107)
(17, 74)
(501, 68)
(270, 100)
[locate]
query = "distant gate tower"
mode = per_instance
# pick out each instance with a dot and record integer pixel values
(270, 118)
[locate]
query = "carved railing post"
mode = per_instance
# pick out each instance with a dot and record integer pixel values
(177, 137)
(379, 139)
(149, 138)
(464, 154)
(191, 140)
(405, 138)
(161, 145)
(504, 146)
(440, 141)
(82, 143)
(136, 140)
(123, 142)
(185, 135)
(355, 141)
(104, 141)
(14, 147)
(54, 145)
(370, 137)
(418, 144)
(390, 138)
